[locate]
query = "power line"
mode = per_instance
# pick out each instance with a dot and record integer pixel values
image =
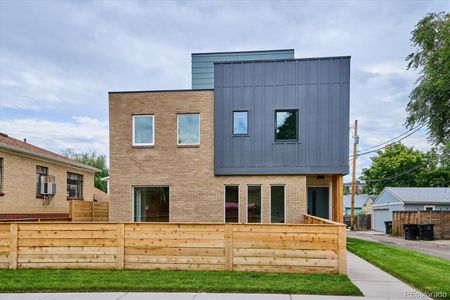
(398, 136)
(407, 171)
(409, 134)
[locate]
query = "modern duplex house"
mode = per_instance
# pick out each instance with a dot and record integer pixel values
(36, 183)
(267, 143)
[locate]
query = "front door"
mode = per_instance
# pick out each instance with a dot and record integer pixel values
(319, 202)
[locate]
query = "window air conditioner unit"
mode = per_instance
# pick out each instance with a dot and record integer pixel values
(47, 188)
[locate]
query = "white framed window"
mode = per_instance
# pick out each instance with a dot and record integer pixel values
(188, 129)
(143, 130)
(429, 207)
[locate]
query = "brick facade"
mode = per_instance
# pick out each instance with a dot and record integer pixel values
(196, 195)
(19, 185)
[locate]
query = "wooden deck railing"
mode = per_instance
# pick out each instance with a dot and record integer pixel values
(303, 248)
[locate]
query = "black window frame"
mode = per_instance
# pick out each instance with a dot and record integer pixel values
(276, 126)
(80, 197)
(161, 216)
(248, 123)
(260, 217)
(272, 216)
(227, 218)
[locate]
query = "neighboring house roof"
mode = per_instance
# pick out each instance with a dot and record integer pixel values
(21, 147)
(370, 199)
(359, 200)
(420, 195)
(104, 178)
(100, 195)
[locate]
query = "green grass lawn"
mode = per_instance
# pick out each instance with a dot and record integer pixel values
(27, 280)
(425, 272)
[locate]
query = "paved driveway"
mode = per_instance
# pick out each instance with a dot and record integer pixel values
(439, 248)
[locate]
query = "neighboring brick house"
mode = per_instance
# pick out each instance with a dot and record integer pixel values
(268, 144)
(36, 183)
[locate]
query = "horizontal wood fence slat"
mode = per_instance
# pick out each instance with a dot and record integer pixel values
(304, 248)
(86, 211)
(440, 219)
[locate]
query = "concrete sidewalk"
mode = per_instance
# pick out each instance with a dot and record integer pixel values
(439, 248)
(375, 283)
(166, 296)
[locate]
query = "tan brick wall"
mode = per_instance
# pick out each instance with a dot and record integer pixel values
(196, 195)
(19, 185)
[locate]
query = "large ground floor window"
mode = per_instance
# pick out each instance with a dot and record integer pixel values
(151, 204)
(254, 204)
(231, 203)
(277, 205)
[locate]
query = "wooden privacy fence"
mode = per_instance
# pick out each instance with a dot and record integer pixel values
(304, 248)
(440, 219)
(85, 211)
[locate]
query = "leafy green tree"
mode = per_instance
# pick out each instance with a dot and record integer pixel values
(402, 166)
(94, 160)
(430, 99)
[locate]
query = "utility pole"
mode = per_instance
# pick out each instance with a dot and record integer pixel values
(355, 143)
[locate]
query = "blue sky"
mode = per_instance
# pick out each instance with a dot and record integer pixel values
(58, 59)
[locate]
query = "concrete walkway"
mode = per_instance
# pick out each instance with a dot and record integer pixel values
(166, 296)
(375, 283)
(439, 248)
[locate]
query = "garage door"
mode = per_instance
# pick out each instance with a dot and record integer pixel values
(379, 216)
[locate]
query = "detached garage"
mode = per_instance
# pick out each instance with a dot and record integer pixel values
(399, 198)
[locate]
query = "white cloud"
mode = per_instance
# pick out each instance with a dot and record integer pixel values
(81, 135)
(59, 59)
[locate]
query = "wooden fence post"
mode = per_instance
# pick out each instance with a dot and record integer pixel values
(342, 250)
(13, 246)
(120, 258)
(228, 236)
(92, 211)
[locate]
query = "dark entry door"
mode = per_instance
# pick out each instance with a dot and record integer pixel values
(319, 202)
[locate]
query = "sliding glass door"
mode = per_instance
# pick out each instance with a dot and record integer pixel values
(151, 204)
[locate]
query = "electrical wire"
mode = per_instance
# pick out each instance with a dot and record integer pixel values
(396, 141)
(398, 136)
(409, 170)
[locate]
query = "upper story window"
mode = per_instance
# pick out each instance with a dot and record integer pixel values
(286, 125)
(41, 173)
(74, 185)
(240, 122)
(143, 130)
(188, 129)
(1, 174)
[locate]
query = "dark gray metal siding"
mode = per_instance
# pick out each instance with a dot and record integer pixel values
(319, 88)
(203, 63)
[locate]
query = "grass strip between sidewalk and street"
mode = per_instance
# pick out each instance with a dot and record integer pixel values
(28, 280)
(427, 273)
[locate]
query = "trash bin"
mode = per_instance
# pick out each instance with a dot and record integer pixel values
(427, 232)
(388, 225)
(411, 231)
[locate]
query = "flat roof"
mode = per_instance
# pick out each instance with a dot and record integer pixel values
(281, 59)
(161, 91)
(238, 52)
